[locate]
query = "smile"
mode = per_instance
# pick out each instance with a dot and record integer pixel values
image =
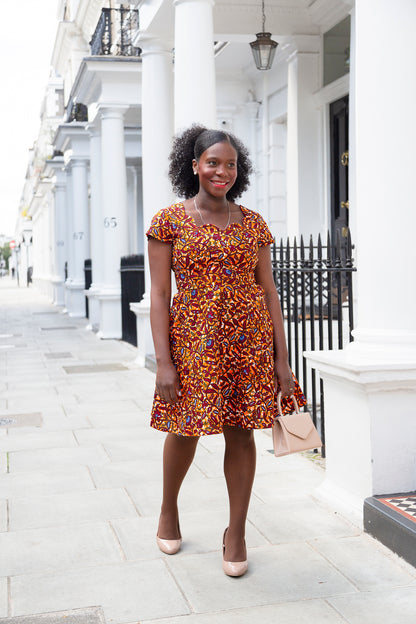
(218, 183)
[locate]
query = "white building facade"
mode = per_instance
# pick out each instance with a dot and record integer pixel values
(330, 153)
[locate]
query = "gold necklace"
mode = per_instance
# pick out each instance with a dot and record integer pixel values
(204, 222)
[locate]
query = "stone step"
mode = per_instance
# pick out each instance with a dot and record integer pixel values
(391, 519)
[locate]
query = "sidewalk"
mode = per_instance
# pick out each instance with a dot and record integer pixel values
(80, 489)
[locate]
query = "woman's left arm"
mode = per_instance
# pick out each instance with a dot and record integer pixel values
(264, 277)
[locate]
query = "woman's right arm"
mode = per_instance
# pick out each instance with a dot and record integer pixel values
(160, 259)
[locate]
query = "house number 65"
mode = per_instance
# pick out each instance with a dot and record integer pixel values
(110, 222)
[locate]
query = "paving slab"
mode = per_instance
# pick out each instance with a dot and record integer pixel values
(58, 548)
(382, 568)
(288, 483)
(124, 420)
(134, 472)
(93, 615)
(121, 474)
(276, 574)
(97, 407)
(142, 436)
(26, 404)
(389, 605)
(41, 440)
(305, 612)
(127, 593)
(38, 395)
(44, 482)
(57, 457)
(53, 420)
(284, 521)
(93, 368)
(71, 507)
(87, 390)
(30, 419)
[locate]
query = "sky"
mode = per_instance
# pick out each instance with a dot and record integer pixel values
(27, 39)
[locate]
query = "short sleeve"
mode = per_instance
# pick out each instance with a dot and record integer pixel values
(264, 236)
(161, 226)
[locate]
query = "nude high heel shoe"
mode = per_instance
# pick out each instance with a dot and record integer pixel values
(169, 547)
(233, 568)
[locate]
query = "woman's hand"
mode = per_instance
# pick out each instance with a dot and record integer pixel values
(283, 378)
(167, 383)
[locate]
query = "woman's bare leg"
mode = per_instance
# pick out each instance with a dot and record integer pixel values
(239, 470)
(178, 454)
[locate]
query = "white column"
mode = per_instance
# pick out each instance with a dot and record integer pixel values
(385, 159)
(303, 139)
(157, 124)
(132, 206)
(69, 239)
(114, 224)
(195, 100)
(370, 388)
(79, 235)
(59, 250)
(96, 223)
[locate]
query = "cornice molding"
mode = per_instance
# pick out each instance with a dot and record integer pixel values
(67, 133)
(96, 71)
(327, 13)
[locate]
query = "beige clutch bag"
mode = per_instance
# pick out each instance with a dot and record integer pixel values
(295, 432)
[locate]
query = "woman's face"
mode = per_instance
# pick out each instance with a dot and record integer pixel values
(217, 169)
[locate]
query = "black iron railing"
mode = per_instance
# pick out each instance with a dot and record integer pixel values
(132, 289)
(88, 282)
(76, 111)
(314, 283)
(114, 32)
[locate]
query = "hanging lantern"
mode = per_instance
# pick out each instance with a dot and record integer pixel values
(264, 47)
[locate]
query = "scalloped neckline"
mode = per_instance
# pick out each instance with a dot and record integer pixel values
(203, 225)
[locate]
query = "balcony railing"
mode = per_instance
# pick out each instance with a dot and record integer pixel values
(114, 32)
(76, 112)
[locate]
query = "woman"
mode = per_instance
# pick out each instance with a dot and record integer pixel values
(220, 347)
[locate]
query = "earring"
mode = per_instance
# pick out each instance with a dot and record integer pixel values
(195, 172)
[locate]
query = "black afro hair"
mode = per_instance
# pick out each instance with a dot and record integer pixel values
(190, 144)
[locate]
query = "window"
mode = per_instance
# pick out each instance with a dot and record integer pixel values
(337, 51)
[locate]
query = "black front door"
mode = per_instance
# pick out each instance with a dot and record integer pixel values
(339, 167)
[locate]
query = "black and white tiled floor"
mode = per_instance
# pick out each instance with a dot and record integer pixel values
(403, 504)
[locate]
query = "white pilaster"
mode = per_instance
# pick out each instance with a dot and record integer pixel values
(114, 226)
(96, 237)
(303, 138)
(79, 235)
(59, 239)
(73, 140)
(157, 124)
(69, 239)
(195, 100)
(370, 388)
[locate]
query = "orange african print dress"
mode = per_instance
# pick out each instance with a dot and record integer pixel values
(221, 333)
